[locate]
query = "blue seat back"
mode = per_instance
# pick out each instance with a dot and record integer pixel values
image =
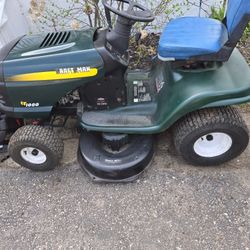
(236, 10)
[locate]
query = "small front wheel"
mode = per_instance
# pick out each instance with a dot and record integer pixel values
(211, 136)
(35, 147)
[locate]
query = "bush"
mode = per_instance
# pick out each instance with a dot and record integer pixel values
(77, 14)
(219, 14)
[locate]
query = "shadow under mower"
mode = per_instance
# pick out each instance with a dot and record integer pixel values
(193, 82)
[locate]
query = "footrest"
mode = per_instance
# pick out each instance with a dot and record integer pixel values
(133, 116)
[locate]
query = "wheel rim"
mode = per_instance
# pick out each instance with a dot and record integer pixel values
(33, 155)
(213, 144)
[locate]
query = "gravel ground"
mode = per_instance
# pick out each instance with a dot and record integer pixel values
(172, 206)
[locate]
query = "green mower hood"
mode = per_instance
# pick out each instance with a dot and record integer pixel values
(38, 70)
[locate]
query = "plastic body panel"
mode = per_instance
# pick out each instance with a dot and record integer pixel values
(26, 58)
(182, 92)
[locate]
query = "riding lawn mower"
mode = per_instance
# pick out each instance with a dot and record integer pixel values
(191, 88)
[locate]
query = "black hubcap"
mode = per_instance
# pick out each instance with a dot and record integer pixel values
(210, 137)
(35, 152)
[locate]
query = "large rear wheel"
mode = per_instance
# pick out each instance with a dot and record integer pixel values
(211, 136)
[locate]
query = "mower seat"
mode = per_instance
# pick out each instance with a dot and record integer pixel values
(205, 39)
(188, 37)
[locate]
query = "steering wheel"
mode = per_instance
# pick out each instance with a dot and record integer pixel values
(135, 11)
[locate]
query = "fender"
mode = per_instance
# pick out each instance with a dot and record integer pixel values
(182, 92)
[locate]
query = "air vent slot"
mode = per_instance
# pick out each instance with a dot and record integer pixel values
(55, 38)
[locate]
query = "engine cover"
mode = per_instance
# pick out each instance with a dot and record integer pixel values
(40, 69)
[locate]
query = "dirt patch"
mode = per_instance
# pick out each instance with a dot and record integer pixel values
(244, 48)
(143, 50)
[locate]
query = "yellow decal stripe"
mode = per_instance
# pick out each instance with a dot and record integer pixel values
(51, 75)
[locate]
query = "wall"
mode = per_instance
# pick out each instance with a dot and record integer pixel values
(17, 23)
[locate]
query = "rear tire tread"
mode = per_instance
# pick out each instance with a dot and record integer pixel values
(206, 117)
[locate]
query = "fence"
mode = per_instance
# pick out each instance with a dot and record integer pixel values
(19, 22)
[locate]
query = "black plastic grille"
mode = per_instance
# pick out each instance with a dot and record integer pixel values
(55, 38)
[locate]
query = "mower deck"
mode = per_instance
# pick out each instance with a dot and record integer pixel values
(105, 165)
